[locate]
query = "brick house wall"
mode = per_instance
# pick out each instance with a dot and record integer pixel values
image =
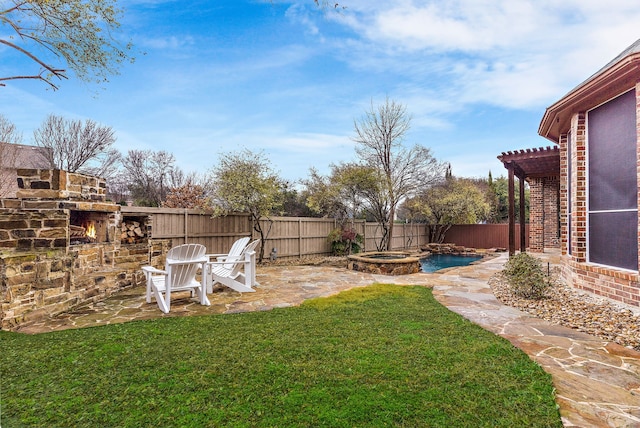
(616, 284)
(566, 123)
(543, 214)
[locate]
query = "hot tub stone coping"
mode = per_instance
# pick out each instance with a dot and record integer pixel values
(406, 257)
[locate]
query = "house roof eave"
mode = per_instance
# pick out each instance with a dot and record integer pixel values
(607, 83)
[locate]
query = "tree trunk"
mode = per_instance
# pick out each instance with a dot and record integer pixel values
(258, 228)
(438, 232)
(392, 214)
(381, 245)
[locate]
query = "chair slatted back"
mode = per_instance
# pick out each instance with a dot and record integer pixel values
(183, 274)
(235, 252)
(249, 248)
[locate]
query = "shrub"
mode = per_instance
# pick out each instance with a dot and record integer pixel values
(526, 276)
(344, 241)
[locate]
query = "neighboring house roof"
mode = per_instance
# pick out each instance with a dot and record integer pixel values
(23, 156)
(618, 76)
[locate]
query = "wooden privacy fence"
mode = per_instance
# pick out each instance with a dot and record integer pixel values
(307, 236)
(483, 235)
(194, 226)
(302, 236)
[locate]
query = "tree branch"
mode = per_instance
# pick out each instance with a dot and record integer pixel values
(59, 73)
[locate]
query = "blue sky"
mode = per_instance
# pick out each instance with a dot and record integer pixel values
(288, 79)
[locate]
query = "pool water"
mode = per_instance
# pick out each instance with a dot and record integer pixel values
(442, 261)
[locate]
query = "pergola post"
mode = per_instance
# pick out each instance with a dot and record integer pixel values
(523, 229)
(512, 220)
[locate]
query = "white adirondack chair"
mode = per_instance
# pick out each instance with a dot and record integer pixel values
(239, 275)
(179, 274)
(234, 252)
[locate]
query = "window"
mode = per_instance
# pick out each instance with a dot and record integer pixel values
(613, 190)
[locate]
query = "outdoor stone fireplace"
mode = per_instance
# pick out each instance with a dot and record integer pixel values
(62, 244)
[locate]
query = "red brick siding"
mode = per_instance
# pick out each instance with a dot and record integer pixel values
(609, 282)
(543, 215)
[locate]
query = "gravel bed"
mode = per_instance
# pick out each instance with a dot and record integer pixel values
(584, 312)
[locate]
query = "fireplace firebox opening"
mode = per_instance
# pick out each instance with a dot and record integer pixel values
(87, 227)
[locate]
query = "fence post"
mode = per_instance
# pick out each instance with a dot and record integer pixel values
(186, 226)
(300, 238)
(404, 236)
(364, 234)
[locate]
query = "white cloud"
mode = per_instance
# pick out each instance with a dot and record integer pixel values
(165, 43)
(510, 53)
(455, 25)
(300, 14)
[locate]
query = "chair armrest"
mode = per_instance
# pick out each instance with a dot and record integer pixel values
(151, 269)
(186, 262)
(227, 262)
(215, 256)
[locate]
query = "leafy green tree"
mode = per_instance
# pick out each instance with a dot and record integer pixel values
(244, 182)
(400, 171)
(295, 203)
(454, 201)
(78, 33)
(341, 194)
(499, 198)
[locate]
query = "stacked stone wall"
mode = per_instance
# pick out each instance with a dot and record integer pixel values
(59, 184)
(38, 284)
(33, 230)
(43, 272)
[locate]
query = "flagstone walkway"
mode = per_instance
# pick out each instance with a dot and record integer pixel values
(597, 382)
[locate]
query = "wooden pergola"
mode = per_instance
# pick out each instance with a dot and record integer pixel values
(527, 164)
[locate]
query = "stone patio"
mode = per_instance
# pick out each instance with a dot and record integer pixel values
(597, 383)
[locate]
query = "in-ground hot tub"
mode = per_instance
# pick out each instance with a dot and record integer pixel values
(384, 262)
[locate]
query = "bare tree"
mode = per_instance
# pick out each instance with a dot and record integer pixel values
(106, 165)
(379, 137)
(149, 175)
(9, 137)
(9, 132)
(78, 33)
(76, 146)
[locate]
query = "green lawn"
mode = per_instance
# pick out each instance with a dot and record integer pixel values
(372, 357)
